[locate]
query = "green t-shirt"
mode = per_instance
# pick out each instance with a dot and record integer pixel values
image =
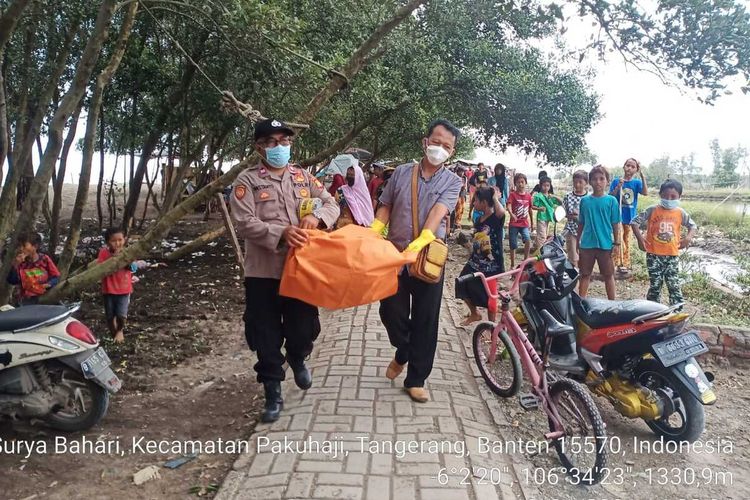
(547, 202)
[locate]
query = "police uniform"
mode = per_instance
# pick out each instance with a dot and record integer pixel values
(263, 205)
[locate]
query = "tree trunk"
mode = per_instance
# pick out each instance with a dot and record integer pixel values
(164, 224)
(95, 114)
(174, 193)
(3, 125)
(9, 20)
(59, 181)
(194, 245)
(340, 144)
(156, 132)
(99, 184)
(356, 62)
(25, 143)
(54, 142)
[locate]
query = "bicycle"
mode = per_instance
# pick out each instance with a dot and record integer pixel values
(582, 427)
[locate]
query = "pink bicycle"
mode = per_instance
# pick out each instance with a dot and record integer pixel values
(501, 350)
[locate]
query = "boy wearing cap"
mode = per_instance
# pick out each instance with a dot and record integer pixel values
(266, 202)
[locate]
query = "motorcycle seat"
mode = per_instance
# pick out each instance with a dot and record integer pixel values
(28, 316)
(600, 313)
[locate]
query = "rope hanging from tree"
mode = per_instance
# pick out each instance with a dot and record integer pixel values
(229, 103)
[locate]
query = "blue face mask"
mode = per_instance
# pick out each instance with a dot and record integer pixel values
(670, 204)
(278, 156)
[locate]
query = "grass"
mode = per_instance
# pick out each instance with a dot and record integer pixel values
(707, 213)
(714, 306)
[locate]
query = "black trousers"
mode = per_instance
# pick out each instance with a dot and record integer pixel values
(272, 321)
(411, 319)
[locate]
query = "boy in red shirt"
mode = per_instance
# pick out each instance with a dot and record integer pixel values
(116, 287)
(33, 270)
(519, 204)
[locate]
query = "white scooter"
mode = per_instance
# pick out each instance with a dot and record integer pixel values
(52, 368)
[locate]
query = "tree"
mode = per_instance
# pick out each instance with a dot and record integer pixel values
(686, 169)
(726, 163)
(658, 171)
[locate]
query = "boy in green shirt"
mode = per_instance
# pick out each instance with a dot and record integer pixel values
(544, 203)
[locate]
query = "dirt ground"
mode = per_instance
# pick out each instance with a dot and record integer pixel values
(721, 474)
(187, 374)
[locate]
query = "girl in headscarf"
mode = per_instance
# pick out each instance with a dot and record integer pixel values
(354, 200)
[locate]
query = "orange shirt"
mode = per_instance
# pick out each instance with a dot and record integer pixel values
(664, 227)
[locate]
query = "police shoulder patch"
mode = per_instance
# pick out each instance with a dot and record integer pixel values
(240, 191)
(317, 183)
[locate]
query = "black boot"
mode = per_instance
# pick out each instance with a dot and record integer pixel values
(302, 376)
(274, 402)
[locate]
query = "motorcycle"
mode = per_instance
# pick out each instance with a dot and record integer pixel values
(52, 368)
(638, 354)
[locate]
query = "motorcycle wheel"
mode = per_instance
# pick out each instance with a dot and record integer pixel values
(86, 405)
(688, 421)
(504, 375)
(585, 431)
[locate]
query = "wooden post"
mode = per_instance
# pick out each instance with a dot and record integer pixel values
(232, 235)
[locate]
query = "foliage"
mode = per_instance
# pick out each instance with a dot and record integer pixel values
(658, 171)
(726, 163)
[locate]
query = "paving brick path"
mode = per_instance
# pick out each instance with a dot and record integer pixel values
(352, 403)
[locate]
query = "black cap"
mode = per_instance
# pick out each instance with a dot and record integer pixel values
(271, 126)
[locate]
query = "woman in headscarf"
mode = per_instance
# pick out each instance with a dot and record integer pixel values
(354, 200)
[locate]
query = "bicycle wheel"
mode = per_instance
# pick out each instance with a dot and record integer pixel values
(582, 449)
(503, 375)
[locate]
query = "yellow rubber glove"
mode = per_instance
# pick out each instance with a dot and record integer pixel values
(377, 226)
(425, 238)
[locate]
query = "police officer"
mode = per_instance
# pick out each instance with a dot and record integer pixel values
(273, 203)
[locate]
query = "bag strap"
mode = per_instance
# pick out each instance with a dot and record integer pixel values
(415, 204)
(414, 201)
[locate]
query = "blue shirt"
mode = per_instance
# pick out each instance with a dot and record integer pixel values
(630, 191)
(492, 182)
(443, 187)
(597, 215)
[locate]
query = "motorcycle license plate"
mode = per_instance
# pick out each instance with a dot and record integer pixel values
(95, 364)
(680, 348)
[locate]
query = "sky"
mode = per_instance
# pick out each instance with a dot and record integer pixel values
(641, 118)
(645, 119)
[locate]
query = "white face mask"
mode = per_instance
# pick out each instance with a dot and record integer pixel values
(436, 155)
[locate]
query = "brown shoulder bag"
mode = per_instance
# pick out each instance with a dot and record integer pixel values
(431, 259)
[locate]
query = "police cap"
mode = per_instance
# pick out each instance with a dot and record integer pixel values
(271, 126)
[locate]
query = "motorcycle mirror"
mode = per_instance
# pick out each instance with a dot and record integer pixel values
(559, 213)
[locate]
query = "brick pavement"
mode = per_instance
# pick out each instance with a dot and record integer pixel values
(351, 404)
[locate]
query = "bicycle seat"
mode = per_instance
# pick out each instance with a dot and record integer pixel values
(600, 313)
(554, 327)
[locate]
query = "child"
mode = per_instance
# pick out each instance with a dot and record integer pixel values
(33, 270)
(474, 214)
(662, 243)
(572, 205)
(519, 202)
(598, 223)
(487, 252)
(544, 202)
(116, 287)
(538, 189)
(627, 189)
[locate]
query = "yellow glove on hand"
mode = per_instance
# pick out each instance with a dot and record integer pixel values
(377, 226)
(425, 238)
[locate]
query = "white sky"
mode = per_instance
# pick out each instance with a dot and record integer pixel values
(644, 118)
(641, 118)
